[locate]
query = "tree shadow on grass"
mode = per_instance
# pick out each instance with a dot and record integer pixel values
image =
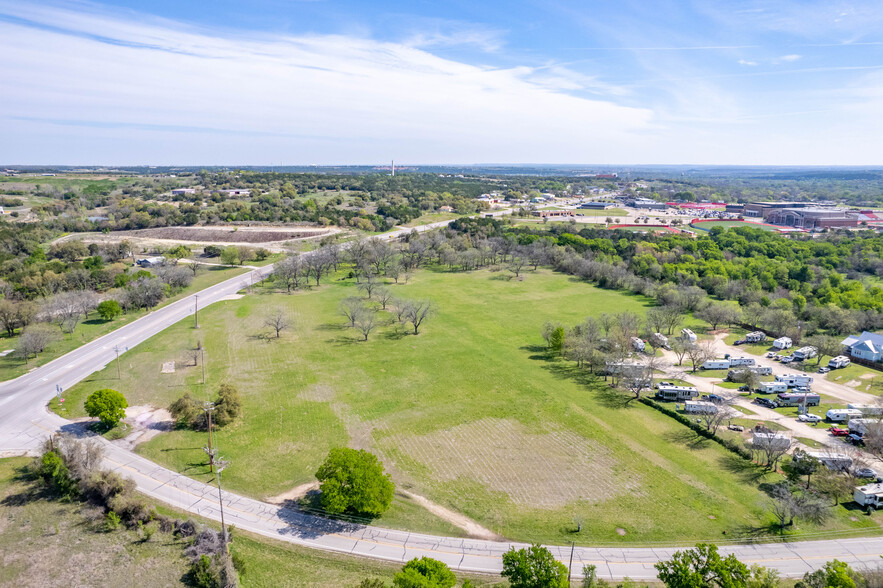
(749, 472)
(688, 438)
(761, 533)
(332, 327)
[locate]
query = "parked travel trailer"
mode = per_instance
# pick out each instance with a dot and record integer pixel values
(699, 407)
(860, 426)
(833, 461)
(772, 387)
(805, 353)
(798, 399)
(771, 441)
(755, 337)
(867, 409)
(676, 393)
(637, 344)
(793, 380)
(688, 335)
(782, 343)
(869, 495)
(842, 415)
(741, 361)
(716, 364)
(841, 361)
(659, 340)
(761, 370)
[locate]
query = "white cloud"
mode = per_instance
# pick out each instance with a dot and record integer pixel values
(311, 99)
(789, 58)
(747, 63)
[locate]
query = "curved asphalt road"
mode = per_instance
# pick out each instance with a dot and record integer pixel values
(25, 423)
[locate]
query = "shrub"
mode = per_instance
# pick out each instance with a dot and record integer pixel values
(111, 521)
(108, 405)
(353, 481)
(186, 411)
(424, 573)
(202, 574)
(228, 406)
(109, 309)
(56, 474)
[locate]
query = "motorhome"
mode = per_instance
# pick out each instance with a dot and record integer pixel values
(798, 399)
(676, 393)
(716, 364)
(842, 415)
(841, 361)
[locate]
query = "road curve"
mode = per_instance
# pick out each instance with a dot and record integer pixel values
(25, 423)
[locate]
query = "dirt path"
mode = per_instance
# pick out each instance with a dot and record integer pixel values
(460, 521)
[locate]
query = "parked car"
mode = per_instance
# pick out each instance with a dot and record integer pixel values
(767, 402)
(855, 439)
(739, 342)
(770, 354)
(824, 370)
(809, 418)
(744, 389)
(715, 398)
(838, 432)
(777, 357)
(740, 428)
(865, 473)
(787, 359)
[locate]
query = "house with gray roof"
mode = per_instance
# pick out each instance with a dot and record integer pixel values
(868, 346)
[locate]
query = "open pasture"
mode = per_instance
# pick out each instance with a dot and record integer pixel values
(473, 413)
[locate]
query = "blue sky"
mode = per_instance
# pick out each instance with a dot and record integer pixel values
(346, 82)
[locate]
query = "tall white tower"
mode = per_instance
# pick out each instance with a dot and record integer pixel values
(393, 168)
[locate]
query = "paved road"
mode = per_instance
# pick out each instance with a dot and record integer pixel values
(25, 423)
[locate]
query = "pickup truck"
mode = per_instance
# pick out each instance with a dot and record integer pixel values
(767, 403)
(838, 432)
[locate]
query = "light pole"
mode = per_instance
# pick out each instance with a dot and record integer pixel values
(196, 312)
(116, 348)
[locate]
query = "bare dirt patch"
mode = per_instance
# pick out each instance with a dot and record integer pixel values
(461, 521)
(168, 367)
(146, 422)
(544, 470)
(295, 493)
(868, 376)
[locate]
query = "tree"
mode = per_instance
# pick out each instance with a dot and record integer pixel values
(517, 262)
(34, 339)
(834, 574)
(278, 321)
(787, 506)
(680, 347)
(353, 481)
(145, 292)
(837, 486)
(109, 406)
(703, 567)
(713, 420)
(350, 307)
(369, 284)
(717, 313)
(230, 256)
(699, 353)
(291, 272)
(384, 297)
(318, 262)
(228, 406)
(424, 573)
(556, 340)
(15, 315)
(825, 345)
(804, 464)
(366, 320)
(533, 567)
(109, 310)
(417, 311)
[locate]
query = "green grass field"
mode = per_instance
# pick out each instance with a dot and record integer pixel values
(472, 413)
(611, 212)
(12, 366)
(431, 217)
(859, 377)
(729, 224)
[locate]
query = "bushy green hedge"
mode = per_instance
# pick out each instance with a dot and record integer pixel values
(700, 430)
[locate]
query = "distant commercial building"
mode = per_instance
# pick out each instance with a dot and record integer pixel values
(183, 191)
(812, 218)
(596, 205)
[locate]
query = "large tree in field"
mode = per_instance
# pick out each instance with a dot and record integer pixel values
(109, 406)
(825, 345)
(424, 573)
(353, 481)
(534, 567)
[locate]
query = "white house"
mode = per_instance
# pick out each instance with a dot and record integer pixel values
(782, 343)
(867, 346)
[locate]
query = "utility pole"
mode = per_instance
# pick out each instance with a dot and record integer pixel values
(196, 312)
(570, 565)
(221, 466)
(119, 373)
(209, 408)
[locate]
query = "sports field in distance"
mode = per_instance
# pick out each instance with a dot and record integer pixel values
(729, 224)
(471, 413)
